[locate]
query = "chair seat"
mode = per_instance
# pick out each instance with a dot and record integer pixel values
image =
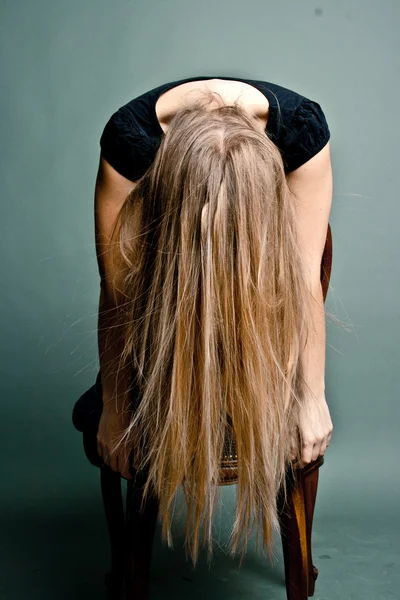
(229, 462)
(88, 408)
(86, 418)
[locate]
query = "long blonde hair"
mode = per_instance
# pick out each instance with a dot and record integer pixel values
(216, 315)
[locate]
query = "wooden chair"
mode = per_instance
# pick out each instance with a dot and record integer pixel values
(131, 532)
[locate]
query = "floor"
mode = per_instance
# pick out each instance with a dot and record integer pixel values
(54, 542)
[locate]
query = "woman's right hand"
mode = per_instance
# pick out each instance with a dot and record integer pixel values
(111, 427)
(316, 427)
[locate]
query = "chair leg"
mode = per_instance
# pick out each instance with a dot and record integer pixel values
(139, 531)
(114, 509)
(310, 493)
(296, 526)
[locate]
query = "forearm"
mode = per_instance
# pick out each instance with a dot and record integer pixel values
(115, 376)
(313, 355)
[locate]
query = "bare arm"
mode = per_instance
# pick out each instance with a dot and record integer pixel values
(110, 193)
(312, 185)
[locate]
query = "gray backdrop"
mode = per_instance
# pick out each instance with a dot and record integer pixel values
(66, 67)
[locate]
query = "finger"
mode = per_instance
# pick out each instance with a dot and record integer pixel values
(113, 461)
(124, 467)
(307, 453)
(106, 456)
(324, 446)
(316, 451)
(294, 445)
(292, 453)
(128, 462)
(107, 460)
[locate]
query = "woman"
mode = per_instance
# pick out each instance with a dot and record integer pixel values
(211, 209)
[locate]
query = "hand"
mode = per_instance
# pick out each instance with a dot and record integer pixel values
(316, 426)
(112, 425)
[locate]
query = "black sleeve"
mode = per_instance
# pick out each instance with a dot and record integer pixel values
(307, 134)
(123, 146)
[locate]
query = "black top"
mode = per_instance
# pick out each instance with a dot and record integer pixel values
(296, 124)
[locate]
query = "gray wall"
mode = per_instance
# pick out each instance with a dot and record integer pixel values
(66, 66)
